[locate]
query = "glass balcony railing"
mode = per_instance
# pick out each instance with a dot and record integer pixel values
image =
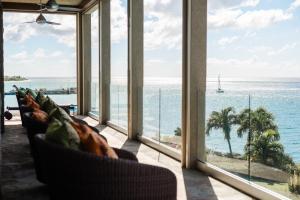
(95, 98)
(162, 119)
(118, 105)
(254, 134)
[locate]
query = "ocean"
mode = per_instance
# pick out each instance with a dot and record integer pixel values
(162, 105)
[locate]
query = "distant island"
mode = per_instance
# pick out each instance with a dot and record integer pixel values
(14, 78)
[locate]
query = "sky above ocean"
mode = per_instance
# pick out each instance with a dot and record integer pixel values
(246, 38)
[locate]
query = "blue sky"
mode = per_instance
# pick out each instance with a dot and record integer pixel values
(246, 38)
(254, 38)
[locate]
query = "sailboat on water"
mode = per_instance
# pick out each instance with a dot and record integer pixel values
(219, 90)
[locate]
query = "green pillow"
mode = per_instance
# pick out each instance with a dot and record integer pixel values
(60, 114)
(22, 92)
(48, 105)
(31, 92)
(62, 133)
(40, 98)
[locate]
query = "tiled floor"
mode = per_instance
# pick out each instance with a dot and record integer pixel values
(192, 184)
(18, 182)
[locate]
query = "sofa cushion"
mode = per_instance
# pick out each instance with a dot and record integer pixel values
(30, 102)
(31, 92)
(21, 92)
(62, 133)
(40, 98)
(48, 105)
(40, 116)
(92, 142)
(60, 114)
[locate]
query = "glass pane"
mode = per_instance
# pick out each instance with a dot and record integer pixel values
(274, 147)
(40, 57)
(259, 77)
(119, 63)
(95, 62)
(162, 72)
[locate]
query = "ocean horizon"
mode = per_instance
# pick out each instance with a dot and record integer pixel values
(280, 96)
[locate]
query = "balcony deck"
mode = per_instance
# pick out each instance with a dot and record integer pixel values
(18, 176)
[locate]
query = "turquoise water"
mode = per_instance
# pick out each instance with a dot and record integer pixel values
(163, 101)
(280, 97)
(48, 83)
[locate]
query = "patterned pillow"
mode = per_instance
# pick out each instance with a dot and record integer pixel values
(93, 142)
(40, 98)
(21, 92)
(30, 102)
(31, 92)
(62, 133)
(40, 116)
(60, 114)
(48, 105)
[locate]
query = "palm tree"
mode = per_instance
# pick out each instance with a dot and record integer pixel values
(266, 148)
(177, 131)
(222, 120)
(260, 121)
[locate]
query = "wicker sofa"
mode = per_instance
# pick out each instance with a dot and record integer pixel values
(74, 174)
(79, 175)
(35, 127)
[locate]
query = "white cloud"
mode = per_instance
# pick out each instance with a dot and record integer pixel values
(17, 31)
(294, 5)
(262, 18)
(231, 4)
(282, 49)
(39, 53)
(163, 24)
(118, 21)
(250, 19)
(227, 40)
(20, 56)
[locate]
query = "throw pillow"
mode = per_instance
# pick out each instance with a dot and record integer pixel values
(40, 116)
(92, 142)
(48, 105)
(31, 92)
(62, 133)
(21, 92)
(40, 98)
(60, 114)
(30, 102)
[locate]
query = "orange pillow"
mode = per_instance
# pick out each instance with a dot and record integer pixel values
(92, 142)
(28, 98)
(40, 116)
(30, 102)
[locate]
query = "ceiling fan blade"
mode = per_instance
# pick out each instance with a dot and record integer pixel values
(64, 8)
(52, 23)
(29, 22)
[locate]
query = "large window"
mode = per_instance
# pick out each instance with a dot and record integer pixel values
(95, 61)
(40, 57)
(162, 72)
(252, 98)
(119, 63)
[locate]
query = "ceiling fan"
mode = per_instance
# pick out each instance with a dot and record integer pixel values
(41, 19)
(53, 6)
